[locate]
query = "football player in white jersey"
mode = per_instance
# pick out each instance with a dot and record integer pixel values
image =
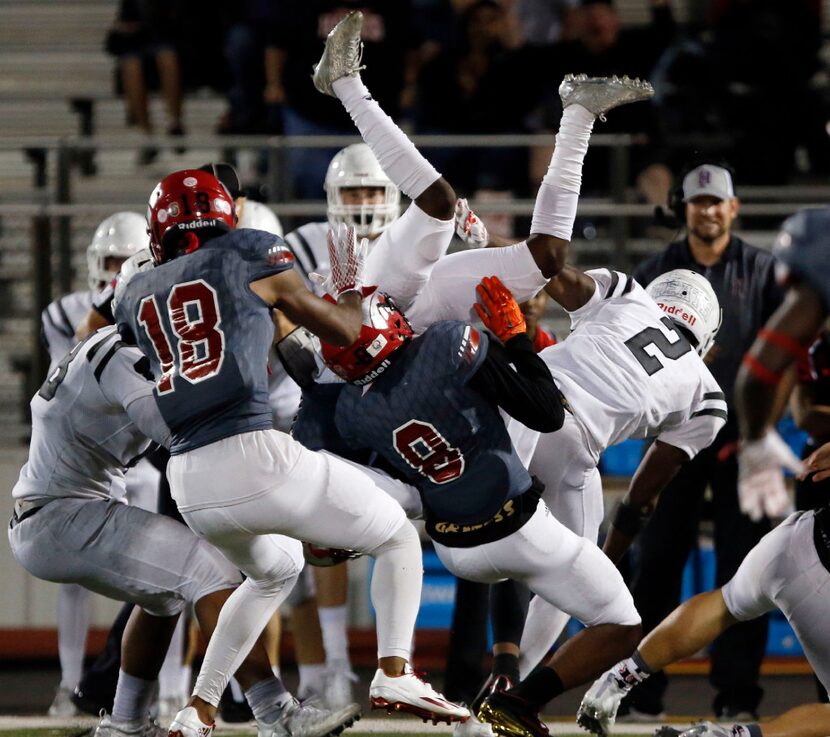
(116, 238)
(93, 416)
(789, 568)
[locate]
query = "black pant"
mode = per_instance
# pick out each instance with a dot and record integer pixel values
(664, 546)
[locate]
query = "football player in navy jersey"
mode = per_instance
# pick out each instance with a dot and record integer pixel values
(429, 406)
(203, 318)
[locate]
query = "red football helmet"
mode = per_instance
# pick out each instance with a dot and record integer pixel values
(181, 204)
(385, 329)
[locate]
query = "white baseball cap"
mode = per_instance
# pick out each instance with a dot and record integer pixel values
(708, 179)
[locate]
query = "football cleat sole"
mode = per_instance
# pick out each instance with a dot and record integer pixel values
(378, 702)
(503, 724)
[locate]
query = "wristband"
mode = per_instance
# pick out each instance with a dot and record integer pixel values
(628, 520)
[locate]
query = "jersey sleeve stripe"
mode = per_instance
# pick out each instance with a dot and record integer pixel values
(629, 285)
(48, 316)
(615, 279)
(99, 369)
(309, 263)
(714, 395)
(70, 330)
(722, 413)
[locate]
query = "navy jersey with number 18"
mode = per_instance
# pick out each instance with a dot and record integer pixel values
(208, 336)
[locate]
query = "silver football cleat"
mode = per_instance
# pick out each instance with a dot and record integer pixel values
(342, 54)
(601, 94)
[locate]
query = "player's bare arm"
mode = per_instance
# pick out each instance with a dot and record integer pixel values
(658, 467)
(338, 323)
(571, 288)
(810, 416)
(787, 334)
(92, 322)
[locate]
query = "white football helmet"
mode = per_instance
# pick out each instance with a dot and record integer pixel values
(119, 236)
(689, 299)
(356, 166)
(257, 216)
(135, 264)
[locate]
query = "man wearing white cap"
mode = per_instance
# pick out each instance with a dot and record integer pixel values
(743, 280)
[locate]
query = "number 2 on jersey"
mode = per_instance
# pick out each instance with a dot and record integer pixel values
(193, 312)
(638, 343)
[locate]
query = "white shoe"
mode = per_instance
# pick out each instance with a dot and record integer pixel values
(187, 724)
(62, 705)
(338, 685)
(472, 728)
(342, 55)
(601, 94)
(301, 719)
(598, 710)
(139, 728)
(409, 693)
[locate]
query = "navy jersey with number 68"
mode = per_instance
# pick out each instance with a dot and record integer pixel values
(443, 436)
(208, 336)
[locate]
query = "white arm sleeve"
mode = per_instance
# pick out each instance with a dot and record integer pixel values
(58, 333)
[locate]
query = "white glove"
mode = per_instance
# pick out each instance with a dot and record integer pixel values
(347, 257)
(761, 488)
(468, 227)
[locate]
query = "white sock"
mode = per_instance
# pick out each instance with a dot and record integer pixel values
(333, 620)
(170, 675)
(73, 625)
(275, 669)
(132, 698)
(396, 591)
(186, 683)
(556, 201)
(311, 676)
(236, 690)
(266, 699)
(398, 157)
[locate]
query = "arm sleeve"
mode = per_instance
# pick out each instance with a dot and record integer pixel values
(102, 302)
(58, 333)
(145, 415)
(528, 392)
(266, 254)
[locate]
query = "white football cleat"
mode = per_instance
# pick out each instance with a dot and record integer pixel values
(601, 94)
(62, 705)
(598, 710)
(302, 719)
(187, 724)
(472, 728)
(410, 694)
(342, 54)
(139, 728)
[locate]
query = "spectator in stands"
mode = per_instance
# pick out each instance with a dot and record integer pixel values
(252, 107)
(485, 82)
(744, 282)
(760, 47)
(544, 22)
(147, 30)
(602, 47)
(296, 40)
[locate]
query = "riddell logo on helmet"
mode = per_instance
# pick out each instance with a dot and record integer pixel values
(373, 374)
(195, 224)
(678, 312)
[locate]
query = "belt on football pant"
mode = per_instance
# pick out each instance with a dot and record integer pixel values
(511, 516)
(24, 509)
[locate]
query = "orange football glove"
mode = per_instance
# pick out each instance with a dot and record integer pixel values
(498, 310)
